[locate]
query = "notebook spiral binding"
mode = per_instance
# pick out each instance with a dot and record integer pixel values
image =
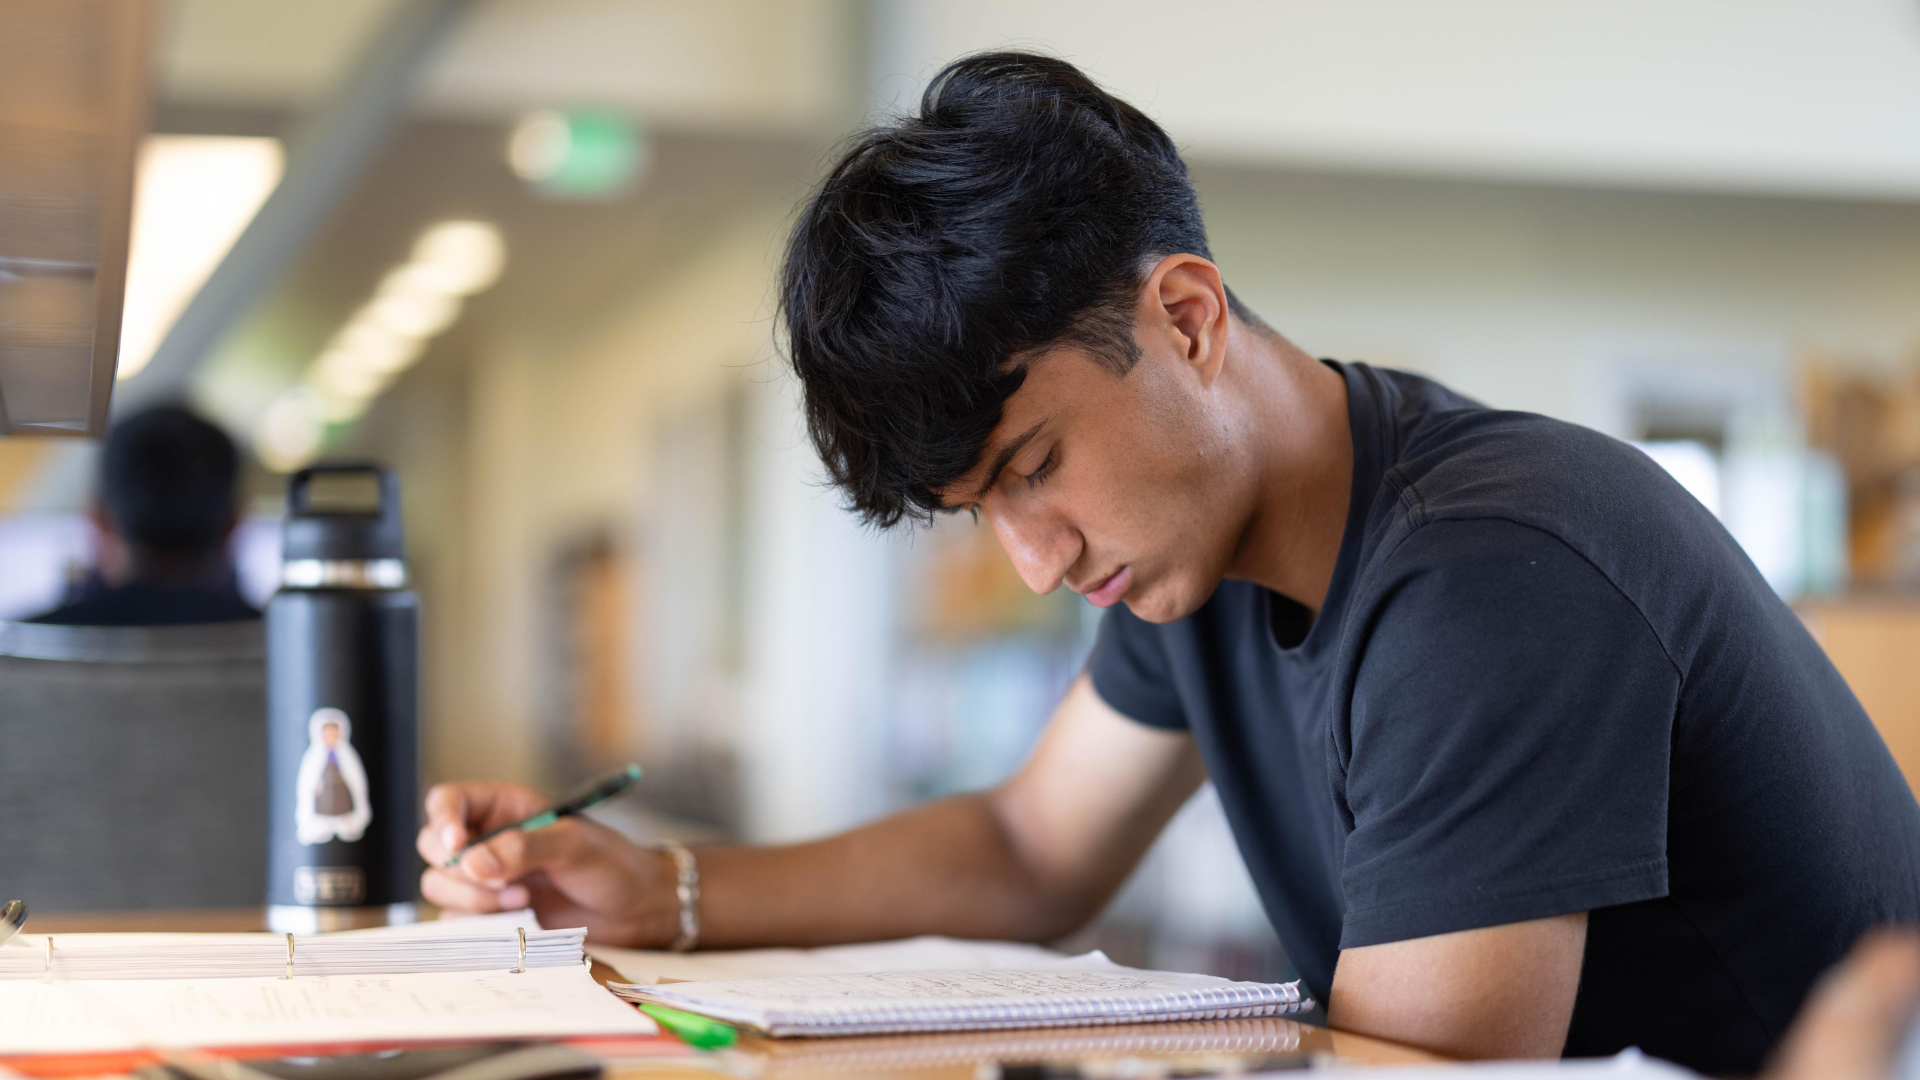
(1213, 1003)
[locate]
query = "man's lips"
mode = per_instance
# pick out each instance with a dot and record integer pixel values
(1108, 592)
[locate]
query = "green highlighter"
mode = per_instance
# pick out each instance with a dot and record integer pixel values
(593, 794)
(696, 1030)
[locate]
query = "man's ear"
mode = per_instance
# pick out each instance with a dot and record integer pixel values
(1185, 299)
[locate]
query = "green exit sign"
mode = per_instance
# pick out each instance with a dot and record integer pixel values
(577, 153)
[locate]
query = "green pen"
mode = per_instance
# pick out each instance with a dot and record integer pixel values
(695, 1029)
(593, 794)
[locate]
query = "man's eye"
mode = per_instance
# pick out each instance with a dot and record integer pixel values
(1039, 475)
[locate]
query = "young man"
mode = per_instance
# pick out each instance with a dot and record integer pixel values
(166, 506)
(1522, 753)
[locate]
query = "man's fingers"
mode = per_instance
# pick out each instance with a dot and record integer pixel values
(456, 813)
(515, 854)
(483, 805)
(455, 893)
(447, 802)
(437, 841)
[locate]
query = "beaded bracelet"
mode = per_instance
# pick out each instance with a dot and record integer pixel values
(687, 889)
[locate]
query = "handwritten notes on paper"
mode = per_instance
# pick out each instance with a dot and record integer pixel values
(926, 953)
(103, 1015)
(842, 990)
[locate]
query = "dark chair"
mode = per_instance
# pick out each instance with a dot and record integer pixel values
(132, 766)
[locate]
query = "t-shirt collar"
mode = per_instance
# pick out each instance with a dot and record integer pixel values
(1373, 436)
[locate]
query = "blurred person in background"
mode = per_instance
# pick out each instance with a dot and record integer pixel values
(165, 509)
(1523, 754)
(1859, 1022)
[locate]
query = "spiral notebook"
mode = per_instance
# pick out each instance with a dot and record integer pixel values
(1071, 991)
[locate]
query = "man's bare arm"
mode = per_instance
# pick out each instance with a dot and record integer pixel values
(1033, 859)
(1498, 992)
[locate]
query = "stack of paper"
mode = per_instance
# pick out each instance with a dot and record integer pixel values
(458, 979)
(1082, 990)
(461, 945)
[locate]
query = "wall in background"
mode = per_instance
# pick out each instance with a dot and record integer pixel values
(1546, 298)
(1803, 97)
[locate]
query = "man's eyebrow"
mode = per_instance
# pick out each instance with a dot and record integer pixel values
(1005, 455)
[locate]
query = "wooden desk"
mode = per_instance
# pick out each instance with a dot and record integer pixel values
(907, 1057)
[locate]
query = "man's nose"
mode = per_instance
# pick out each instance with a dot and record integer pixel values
(1042, 545)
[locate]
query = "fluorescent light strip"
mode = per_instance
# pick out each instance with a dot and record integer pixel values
(415, 302)
(193, 197)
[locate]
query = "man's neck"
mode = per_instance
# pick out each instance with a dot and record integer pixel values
(1303, 447)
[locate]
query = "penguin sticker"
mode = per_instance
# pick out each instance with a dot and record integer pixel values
(332, 785)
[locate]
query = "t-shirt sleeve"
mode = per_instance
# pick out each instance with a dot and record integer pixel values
(1507, 753)
(1131, 673)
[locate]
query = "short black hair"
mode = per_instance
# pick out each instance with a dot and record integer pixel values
(1017, 211)
(168, 480)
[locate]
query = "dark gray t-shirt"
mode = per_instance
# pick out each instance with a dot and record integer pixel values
(1545, 680)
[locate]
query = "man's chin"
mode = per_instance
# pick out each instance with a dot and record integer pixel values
(1166, 601)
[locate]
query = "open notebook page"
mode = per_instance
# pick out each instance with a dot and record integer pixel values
(111, 1015)
(647, 966)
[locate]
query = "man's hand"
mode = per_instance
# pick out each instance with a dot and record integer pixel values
(574, 872)
(1498, 992)
(1033, 859)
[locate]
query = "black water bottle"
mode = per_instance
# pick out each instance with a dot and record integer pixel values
(343, 738)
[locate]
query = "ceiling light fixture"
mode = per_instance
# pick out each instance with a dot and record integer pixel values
(415, 302)
(193, 197)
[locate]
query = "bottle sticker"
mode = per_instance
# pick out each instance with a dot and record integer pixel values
(332, 785)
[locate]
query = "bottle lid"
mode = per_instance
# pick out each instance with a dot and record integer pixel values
(343, 511)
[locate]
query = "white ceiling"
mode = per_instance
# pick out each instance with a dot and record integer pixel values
(261, 53)
(1807, 97)
(1781, 96)
(724, 65)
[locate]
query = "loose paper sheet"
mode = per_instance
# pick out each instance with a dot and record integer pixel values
(93, 1016)
(833, 993)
